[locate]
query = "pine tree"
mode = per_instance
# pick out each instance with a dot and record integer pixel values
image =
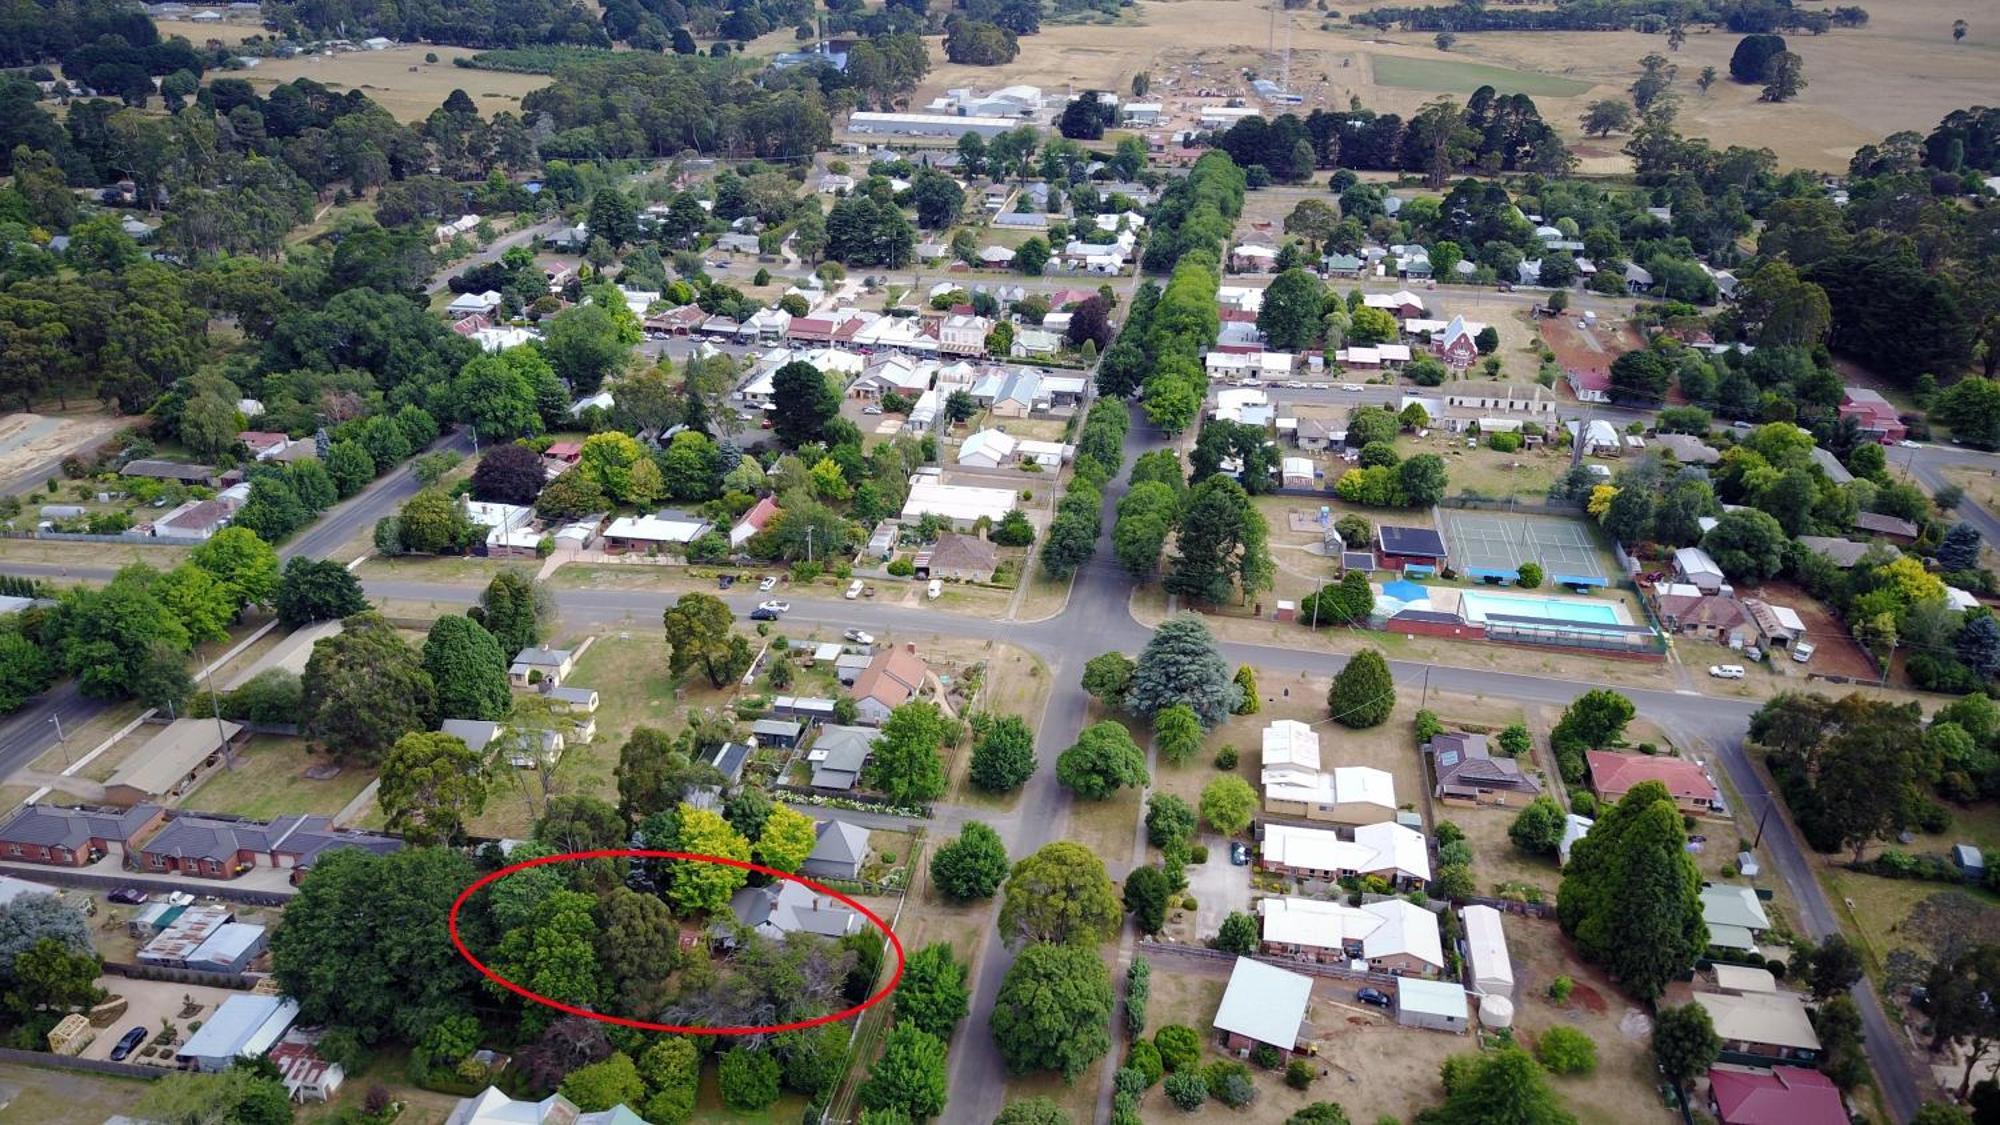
(1364, 693)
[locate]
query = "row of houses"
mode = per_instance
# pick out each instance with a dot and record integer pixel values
(149, 838)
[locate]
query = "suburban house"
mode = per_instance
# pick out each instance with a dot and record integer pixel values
(262, 445)
(1386, 850)
(473, 304)
(838, 755)
(987, 449)
(1763, 1028)
(1401, 548)
(1780, 626)
(1468, 771)
(963, 334)
(1435, 1005)
(307, 1077)
(1486, 952)
(839, 851)
(477, 734)
(729, 760)
(1734, 916)
(1251, 257)
(1893, 528)
(200, 519)
(1688, 449)
(1693, 567)
(785, 907)
(958, 558)
(223, 848)
(891, 679)
(753, 521)
(1402, 304)
(492, 1107)
(1015, 394)
(1875, 414)
(1842, 553)
(962, 504)
(172, 761)
(1393, 935)
(1589, 384)
(1688, 612)
(1264, 1005)
(170, 470)
(1788, 1095)
(541, 665)
(1612, 775)
(662, 530)
(243, 1027)
(1344, 795)
(73, 837)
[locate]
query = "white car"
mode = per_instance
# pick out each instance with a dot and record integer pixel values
(859, 636)
(1350, 386)
(769, 584)
(786, 607)
(1908, 444)
(1726, 671)
(871, 410)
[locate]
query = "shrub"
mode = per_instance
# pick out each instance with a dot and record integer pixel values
(901, 568)
(1560, 988)
(1565, 1050)
(1197, 853)
(1145, 1060)
(1229, 1082)
(1189, 903)
(1298, 1074)
(1266, 1056)
(1504, 443)
(1226, 758)
(1187, 1090)
(1179, 1046)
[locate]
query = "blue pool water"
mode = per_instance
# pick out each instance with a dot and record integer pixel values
(1474, 605)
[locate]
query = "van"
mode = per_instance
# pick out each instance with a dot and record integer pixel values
(1803, 651)
(936, 588)
(853, 589)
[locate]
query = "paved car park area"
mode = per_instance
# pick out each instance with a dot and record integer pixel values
(150, 1004)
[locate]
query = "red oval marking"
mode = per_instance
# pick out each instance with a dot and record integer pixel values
(645, 1025)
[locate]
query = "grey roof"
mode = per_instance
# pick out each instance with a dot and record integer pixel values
(542, 656)
(730, 758)
(199, 837)
(169, 755)
(1465, 761)
(845, 752)
(1421, 541)
(786, 907)
(475, 733)
(1842, 553)
(54, 826)
(572, 694)
(167, 470)
(777, 728)
(840, 842)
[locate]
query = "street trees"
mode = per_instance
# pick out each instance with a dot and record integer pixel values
(933, 994)
(317, 590)
(804, 403)
(700, 634)
(1181, 665)
(1346, 602)
(1630, 895)
(364, 689)
(1226, 804)
(787, 839)
(468, 669)
(1363, 693)
(1594, 720)
(905, 765)
(1108, 677)
(1177, 733)
(247, 565)
(909, 1076)
(431, 784)
(1170, 821)
(1053, 1011)
(1103, 759)
(1060, 894)
(1003, 757)
(1146, 893)
(1290, 315)
(971, 866)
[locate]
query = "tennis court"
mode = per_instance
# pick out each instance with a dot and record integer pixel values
(1495, 544)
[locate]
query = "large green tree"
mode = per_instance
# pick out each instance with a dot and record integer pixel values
(1181, 664)
(1363, 693)
(1222, 546)
(512, 608)
(1630, 894)
(1290, 315)
(1503, 1087)
(1593, 721)
(1060, 894)
(468, 669)
(1685, 1043)
(365, 688)
(804, 403)
(242, 562)
(1003, 757)
(972, 865)
(1053, 1011)
(905, 765)
(700, 634)
(317, 590)
(1103, 760)
(430, 785)
(932, 994)
(910, 1074)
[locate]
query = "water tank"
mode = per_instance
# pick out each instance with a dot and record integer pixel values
(1496, 1012)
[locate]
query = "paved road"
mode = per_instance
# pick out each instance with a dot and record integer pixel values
(528, 236)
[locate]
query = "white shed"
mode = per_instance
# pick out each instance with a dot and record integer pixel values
(1486, 951)
(1438, 1005)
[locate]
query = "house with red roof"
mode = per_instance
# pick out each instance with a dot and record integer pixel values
(1589, 383)
(1788, 1095)
(1613, 775)
(1875, 414)
(753, 521)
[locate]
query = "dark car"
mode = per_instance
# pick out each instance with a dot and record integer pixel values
(128, 1044)
(1373, 996)
(127, 896)
(762, 614)
(725, 581)
(1239, 855)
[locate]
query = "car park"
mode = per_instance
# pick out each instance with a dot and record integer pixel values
(1374, 997)
(859, 637)
(128, 1043)
(1726, 671)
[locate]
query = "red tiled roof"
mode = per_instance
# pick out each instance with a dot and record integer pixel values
(1589, 378)
(760, 515)
(1615, 774)
(466, 326)
(1788, 1095)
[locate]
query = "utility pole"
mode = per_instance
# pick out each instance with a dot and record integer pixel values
(809, 545)
(61, 739)
(215, 706)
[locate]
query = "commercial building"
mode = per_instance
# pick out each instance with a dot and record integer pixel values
(961, 505)
(928, 124)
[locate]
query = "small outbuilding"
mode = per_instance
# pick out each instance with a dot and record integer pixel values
(1437, 1005)
(1263, 1005)
(1486, 952)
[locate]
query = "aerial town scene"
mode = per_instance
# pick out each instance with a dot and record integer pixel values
(999, 562)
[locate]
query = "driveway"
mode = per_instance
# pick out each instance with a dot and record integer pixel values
(1218, 886)
(149, 1003)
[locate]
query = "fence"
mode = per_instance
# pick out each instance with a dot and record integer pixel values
(70, 1062)
(1310, 968)
(1531, 507)
(238, 981)
(65, 877)
(122, 540)
(1512, 906)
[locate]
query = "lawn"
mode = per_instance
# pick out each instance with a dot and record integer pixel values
(1456, 76)
(65, 1097)
(1620, 1090)
(268, 780)
(1485, 472)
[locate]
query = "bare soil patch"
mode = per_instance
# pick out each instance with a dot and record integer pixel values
(28, 440)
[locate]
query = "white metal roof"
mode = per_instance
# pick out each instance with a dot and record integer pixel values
(656, 529)
(1289, 742)
(1486, 948)
(930, 495)
(1375, 848)
(1384, 929)
(1265, 1003)
(1776, 1018)
(1431, 997)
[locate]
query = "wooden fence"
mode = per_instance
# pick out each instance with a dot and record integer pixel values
(1310, 968)
(70, 1062)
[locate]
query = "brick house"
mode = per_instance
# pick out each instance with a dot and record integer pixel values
(73, 837)
(1614, 775)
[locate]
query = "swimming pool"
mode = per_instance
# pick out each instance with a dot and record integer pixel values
(1474, 605)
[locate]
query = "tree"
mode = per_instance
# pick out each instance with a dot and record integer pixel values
(364, 942)
(1363, 692)
(512, 608)
(638, 945)
(933, 996)
(1103, 760)
(1239, 934)
(1565, 1050)
(239, 1095)
(1784, 77)
(508, 474)
(748, 1079)
(468, 669)
(1961, 1009)
(1641, 377)
(1177, 733)
(1501, 1087)
(1170, 821)
(1290, 315)
(364, 689)
(1108, 677)
(1060, 894)
(1032, 256)
(1053, 1010)
(704, 888)
(1226, 804)
(1630, 895)
(1685, 1043)
(1319, 1113)
(788, 838)
(50, 976)
(1181, 665)
(1593, 721)
(671, 1068)
(910, 1074)
(1004, 755)
(198, 600)
(804, 403)
(602, 1085)
(1032, 1111)
(1538, 828)
(1959, 550)
(431, 784)
(971, 866)
(315, 590)
(1221, 544)
(243, 563)
(1146, 894)
(1836, 966)
(28, 923)
(1752, 57)
(584, 344)
(1603, 118)
(700, 634)
(905, 765)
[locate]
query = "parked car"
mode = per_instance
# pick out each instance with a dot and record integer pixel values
(1239, 854)
(1803, 651)
(936, 588)
(1375, 997)
(871, 410)
(859, 637)
(1726, 671)
(1906, 443)
(128, 1043)
(769, 584)
(854, 589)
(775, 606)
(725, 581)
(762, 614)
(128, 896)
(1350, 386)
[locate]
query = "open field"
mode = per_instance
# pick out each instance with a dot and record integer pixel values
(226, 33)
(64, 552)
(1452, 76)
(67, 1097)
(399, 80)
(268, 780)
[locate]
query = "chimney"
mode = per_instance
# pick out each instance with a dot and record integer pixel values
(910, 647)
